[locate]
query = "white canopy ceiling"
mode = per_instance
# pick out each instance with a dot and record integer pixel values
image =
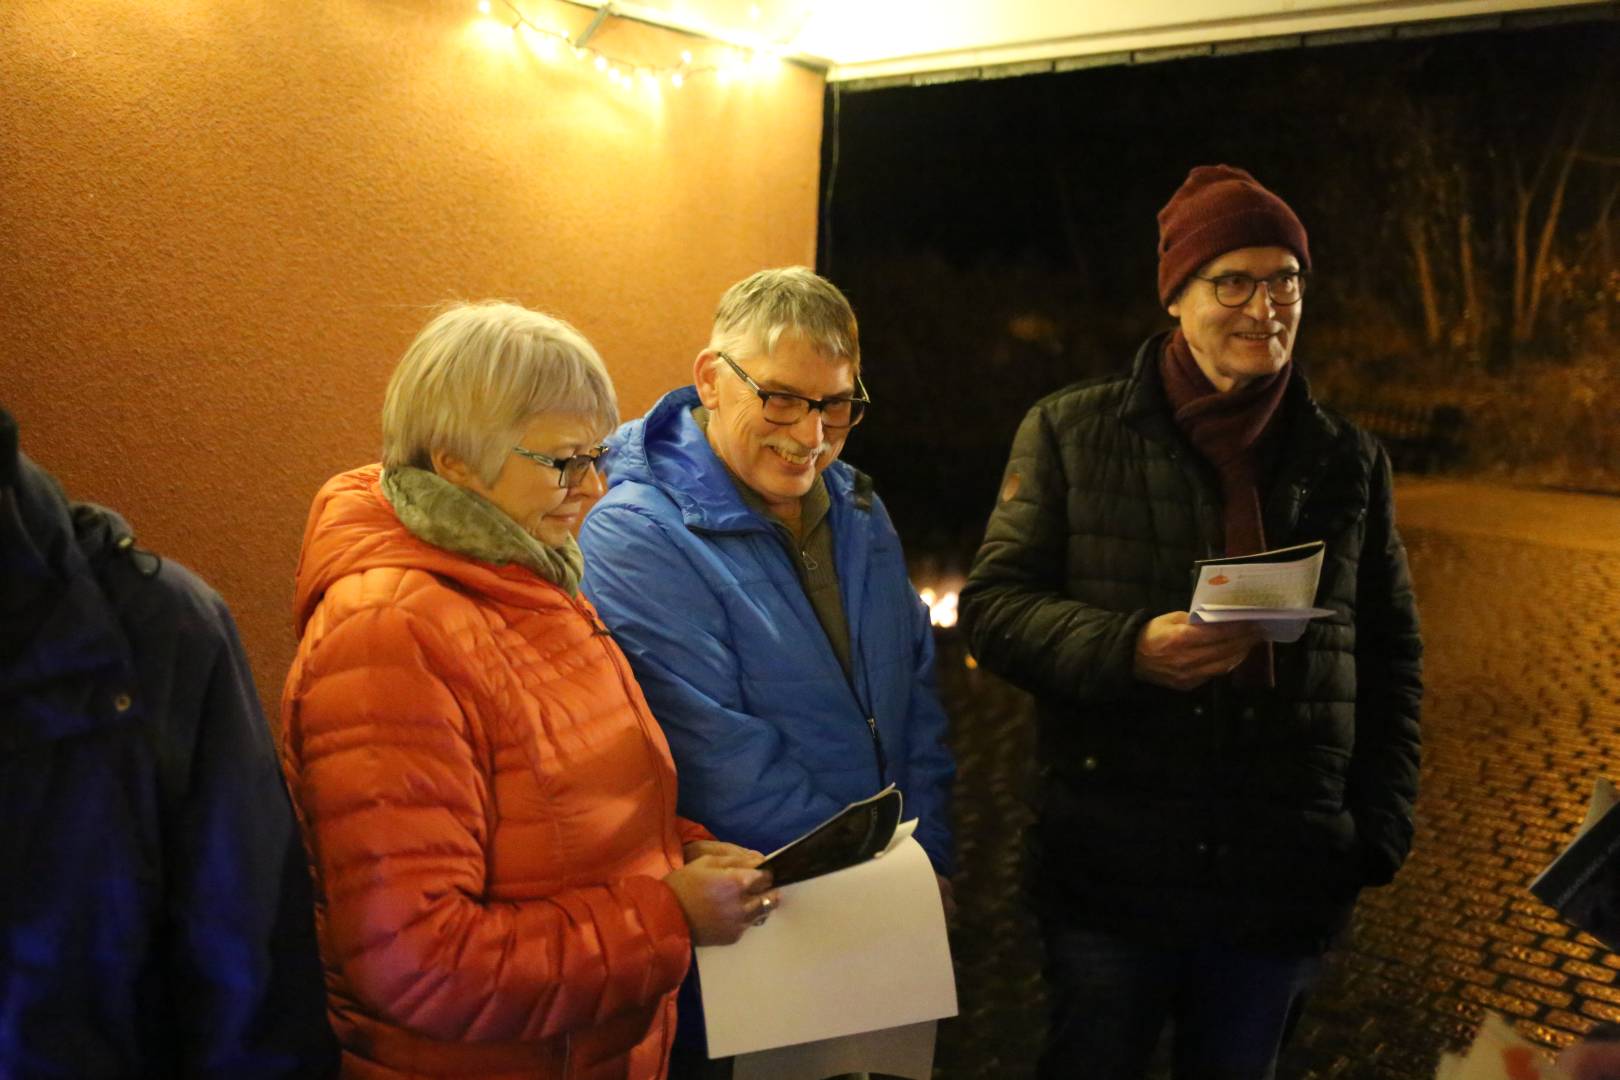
(867, 39)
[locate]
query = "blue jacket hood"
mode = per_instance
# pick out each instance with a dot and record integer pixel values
(669, 451)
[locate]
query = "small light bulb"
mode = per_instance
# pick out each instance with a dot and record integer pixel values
(686, 57)
(675, 80)
(483, 6)
(601, 63)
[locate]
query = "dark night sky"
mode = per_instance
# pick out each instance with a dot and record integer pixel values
(964, 209)
(971, 169)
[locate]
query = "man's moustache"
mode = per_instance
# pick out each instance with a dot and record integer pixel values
(793, 446)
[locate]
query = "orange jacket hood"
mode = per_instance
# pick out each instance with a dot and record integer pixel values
(352, 527)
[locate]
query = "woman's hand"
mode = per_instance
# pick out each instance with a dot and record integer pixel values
(722, 894)
(699, 848)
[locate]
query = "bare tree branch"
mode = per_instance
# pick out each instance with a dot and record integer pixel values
(1555, 207)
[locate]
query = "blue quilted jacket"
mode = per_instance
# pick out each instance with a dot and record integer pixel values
(770, 736)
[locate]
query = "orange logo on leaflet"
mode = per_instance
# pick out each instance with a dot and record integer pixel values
(1219, 579)
(1520, 1064)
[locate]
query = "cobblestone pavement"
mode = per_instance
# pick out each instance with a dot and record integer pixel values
(1518, 592)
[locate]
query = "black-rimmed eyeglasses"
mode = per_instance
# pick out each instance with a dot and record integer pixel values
(571, 471)
(1285, 287)
(781, 407)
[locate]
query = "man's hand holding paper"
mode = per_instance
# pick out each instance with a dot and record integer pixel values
(1176, 652)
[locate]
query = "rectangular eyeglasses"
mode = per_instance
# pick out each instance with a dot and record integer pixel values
(570, 470)
(781, 407)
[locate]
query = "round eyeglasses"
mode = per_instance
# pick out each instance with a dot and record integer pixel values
(1285, 287)
(781, 407)
(571, 471)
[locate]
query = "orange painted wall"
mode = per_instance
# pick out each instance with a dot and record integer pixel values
(221, 221)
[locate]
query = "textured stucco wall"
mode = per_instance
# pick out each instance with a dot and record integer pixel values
(221, 221)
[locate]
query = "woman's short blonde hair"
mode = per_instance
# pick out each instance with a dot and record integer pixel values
(478, 375)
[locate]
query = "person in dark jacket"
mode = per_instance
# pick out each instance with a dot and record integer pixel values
(1212, 801)
(155, 904)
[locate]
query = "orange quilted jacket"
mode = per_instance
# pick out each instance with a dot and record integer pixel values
(489, 807)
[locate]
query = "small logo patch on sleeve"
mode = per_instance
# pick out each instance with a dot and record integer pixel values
(1009, 487)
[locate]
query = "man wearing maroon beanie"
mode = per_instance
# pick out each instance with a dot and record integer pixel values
(1213, 801)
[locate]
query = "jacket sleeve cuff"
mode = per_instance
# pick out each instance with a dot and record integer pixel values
(1383, 846)
(666, 927)
(1116, 674)
(690, 831)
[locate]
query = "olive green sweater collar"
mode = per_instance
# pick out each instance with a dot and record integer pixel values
(464, 522)
(813, 506)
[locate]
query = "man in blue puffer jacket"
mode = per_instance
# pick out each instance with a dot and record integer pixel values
(155, 907)
(758, 586)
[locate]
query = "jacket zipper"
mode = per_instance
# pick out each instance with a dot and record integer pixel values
(877, 747)
(849, 677)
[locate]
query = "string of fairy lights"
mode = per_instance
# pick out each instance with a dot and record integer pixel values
(555, 44)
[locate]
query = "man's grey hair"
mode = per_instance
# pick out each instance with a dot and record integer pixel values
(756, 312)
(478, 375)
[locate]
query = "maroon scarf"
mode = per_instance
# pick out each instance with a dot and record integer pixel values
(1226, 429)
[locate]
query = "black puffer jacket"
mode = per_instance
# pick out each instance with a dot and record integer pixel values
(1251, 818)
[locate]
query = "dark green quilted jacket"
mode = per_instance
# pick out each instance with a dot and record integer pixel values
(1250, 817)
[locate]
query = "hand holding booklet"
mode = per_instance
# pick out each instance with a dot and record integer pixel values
(851, 972)
(1273, 589)
(858, 832)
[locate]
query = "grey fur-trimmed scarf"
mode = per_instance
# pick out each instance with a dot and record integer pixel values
(434, 510)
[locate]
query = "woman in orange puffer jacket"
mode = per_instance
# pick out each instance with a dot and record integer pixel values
(503, 888)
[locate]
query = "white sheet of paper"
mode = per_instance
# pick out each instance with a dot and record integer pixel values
(1275, 624)
(902, 833)
(1604, 796)
(859, 950)
(898, 1051)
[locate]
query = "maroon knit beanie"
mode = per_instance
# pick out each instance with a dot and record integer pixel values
(1220, 209)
